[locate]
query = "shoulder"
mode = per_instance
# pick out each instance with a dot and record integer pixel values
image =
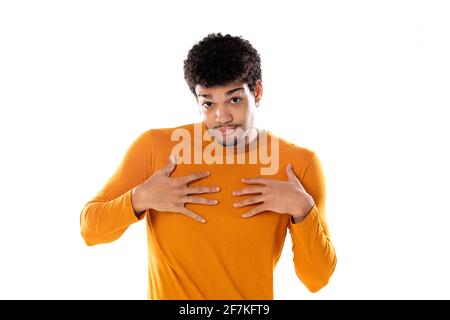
(292, 151)
(163, 133)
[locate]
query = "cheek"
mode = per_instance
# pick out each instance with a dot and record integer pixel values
(209, 117)
(241, 115)
(239, 112)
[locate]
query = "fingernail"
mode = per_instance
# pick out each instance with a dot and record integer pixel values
(235, 205)
(216, 202)
(217, 189)
(244, 215)
(243, 180)
(233, 193)
(203, 221)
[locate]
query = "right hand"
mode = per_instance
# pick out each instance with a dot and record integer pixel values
(164, 193)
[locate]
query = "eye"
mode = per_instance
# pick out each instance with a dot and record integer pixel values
(207, 105)
(236, 100)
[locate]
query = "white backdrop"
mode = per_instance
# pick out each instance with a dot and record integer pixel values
(363, 83)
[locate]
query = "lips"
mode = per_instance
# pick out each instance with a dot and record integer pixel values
(227, 129)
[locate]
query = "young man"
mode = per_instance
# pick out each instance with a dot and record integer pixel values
(216, 205)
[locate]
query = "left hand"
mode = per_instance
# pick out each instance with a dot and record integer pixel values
(281, 196)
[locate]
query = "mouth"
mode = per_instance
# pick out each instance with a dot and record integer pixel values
(226, 130)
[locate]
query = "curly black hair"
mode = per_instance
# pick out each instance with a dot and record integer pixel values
(218, 60)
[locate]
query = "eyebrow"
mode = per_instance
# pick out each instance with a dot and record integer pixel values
(227, 94)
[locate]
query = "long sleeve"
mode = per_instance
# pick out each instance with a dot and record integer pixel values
(105, 218)
(314, 254)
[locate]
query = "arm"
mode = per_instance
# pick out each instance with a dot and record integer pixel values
(314, 254)
(106, 217)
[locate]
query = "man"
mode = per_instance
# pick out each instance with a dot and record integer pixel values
(216, 206)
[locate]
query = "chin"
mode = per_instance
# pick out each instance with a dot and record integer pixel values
(227, 142)
(232, 141)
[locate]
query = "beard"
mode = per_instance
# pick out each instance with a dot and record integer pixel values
(232, 138)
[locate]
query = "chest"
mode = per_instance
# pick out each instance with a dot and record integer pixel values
(225, 228)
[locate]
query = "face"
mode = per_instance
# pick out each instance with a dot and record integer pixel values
(229, 110)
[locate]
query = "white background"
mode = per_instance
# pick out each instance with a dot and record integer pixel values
(363, 83)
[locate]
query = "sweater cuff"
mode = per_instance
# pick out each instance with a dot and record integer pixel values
(129, 211)
(308, 225)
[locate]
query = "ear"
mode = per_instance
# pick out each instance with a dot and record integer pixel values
(258, 90)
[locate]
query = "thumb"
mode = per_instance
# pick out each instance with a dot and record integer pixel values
(290, 172)
(167, 170)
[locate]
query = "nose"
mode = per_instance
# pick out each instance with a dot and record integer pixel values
(223, 115)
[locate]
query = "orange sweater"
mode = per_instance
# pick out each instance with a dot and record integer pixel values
(228, 257)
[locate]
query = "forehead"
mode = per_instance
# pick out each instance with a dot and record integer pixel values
(220, 90)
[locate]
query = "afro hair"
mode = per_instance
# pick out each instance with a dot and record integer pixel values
(218, 60)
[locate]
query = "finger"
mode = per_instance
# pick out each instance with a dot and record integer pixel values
(192, 214)
(249, 190)
(249, 201)
(290, 172)
(192, 177)
(167, 170)
(292, 176)
(254, 211)
(262, 181)
(202, 189)
(199, 200)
